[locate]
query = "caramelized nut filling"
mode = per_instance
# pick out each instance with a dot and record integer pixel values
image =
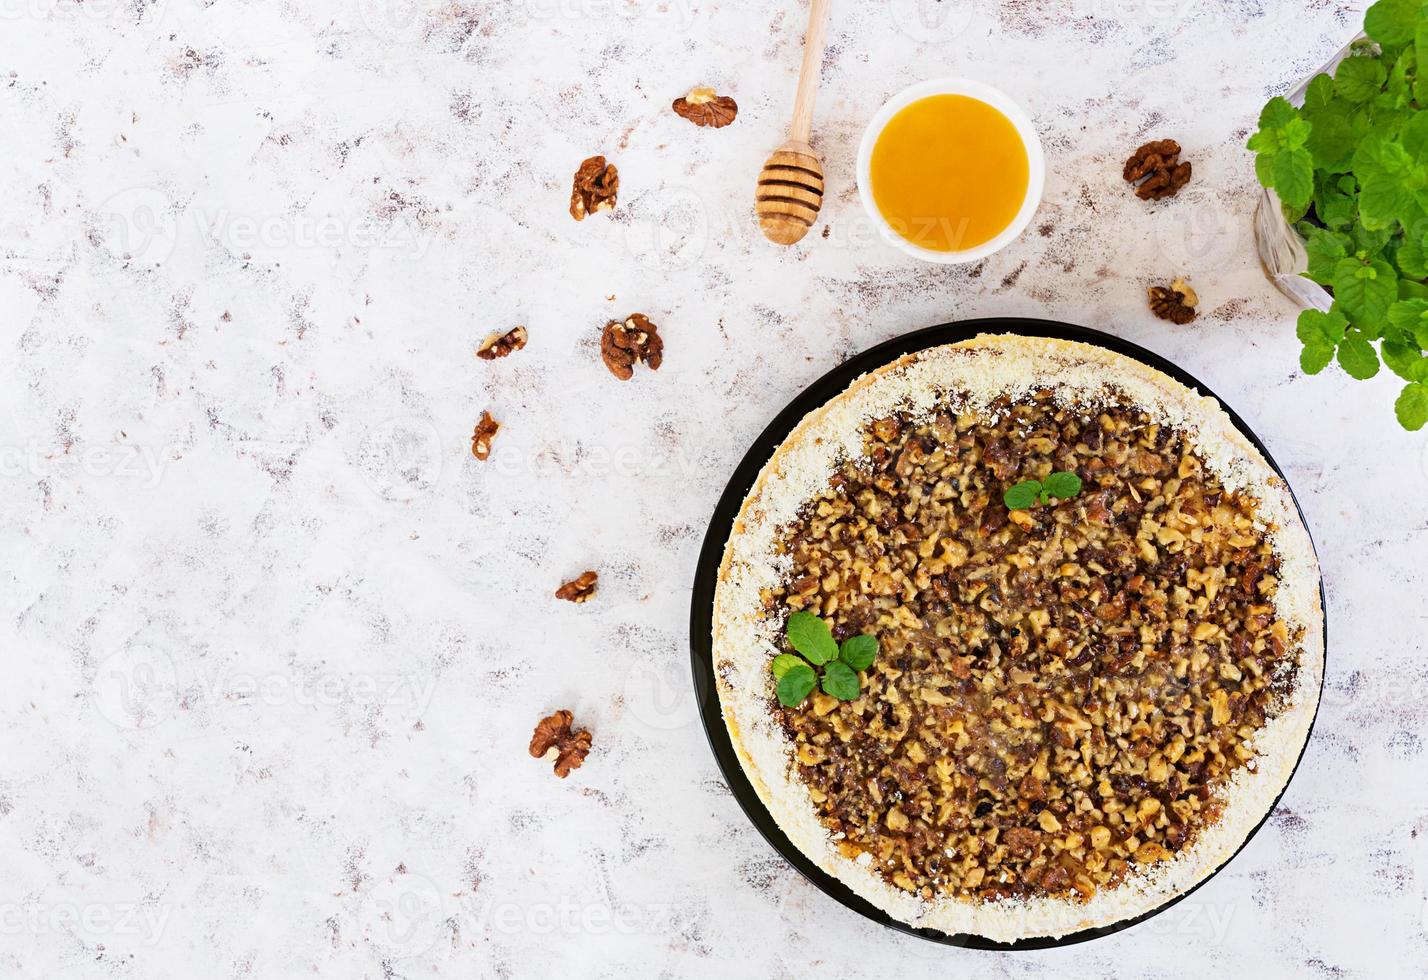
(1061, 690)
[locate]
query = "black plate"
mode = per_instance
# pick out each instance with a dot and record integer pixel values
(701, 611)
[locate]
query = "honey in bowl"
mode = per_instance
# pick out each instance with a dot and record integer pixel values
(949, 172)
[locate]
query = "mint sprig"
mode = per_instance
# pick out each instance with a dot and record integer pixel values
(813, 638)
(1028, 493)
(1351, 167)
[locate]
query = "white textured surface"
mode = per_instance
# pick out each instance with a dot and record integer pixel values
(348, 654)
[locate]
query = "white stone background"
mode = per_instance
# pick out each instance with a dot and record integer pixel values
(274, 643)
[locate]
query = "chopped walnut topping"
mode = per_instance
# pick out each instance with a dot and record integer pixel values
(486, 430)
(595, 187)
(703, 108)
(1057, 702)
(579, 589)
(502, 344)
(1175, 303)
(1157, 165)
(553, 739)
(625, 343)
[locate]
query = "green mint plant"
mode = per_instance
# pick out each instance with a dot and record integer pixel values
(813, 638)
(1028, 493)
(1351, 168)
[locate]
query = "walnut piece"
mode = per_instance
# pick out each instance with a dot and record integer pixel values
(554, 739)
(596, 184)
(1157, 165)
(502, 344)
(703, 108)
(626, 343)
(1175, 302)
(579, 589)
(486, 430)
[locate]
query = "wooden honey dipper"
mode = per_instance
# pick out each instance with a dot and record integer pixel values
(790, 190)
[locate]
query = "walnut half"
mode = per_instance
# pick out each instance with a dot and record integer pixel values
(553, 739)
(579, 589)
(485, 431)
(1175, 302)
(625, 343)
(703, 108)
(596, 184)
(502, 344)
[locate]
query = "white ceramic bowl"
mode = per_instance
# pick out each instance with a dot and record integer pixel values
(1036, 164)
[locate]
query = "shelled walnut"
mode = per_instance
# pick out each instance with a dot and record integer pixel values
(594, 189)
(485, 431)
(704, 108)
(1055, 702)
(554, 739)
(1158, 167)
(502, 344)
(579, 589)
(1175, 302)
(624, 343)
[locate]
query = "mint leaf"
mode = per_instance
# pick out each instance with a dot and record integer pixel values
(1319, 92)
(1413, 258)
(840, 682)
(1314, 359)
(1357, 357)
(1392, 22)
(1412, 407)
(1324, 249)
(1063, 485)
(811, 637)
(1411, 316)
(1359, 79)
(796, 685)
(1316, 326)
(1365, 290)
(1276, 114)
(1334, 205)
(1387, 179)
(1281, 160)
(1320, 334)
(1404, 360)
(859, 651)
(1290, 173)
(1023, 495)
(783, 663)
(1335, 133)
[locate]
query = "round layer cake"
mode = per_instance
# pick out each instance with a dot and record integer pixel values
(1080, 705)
